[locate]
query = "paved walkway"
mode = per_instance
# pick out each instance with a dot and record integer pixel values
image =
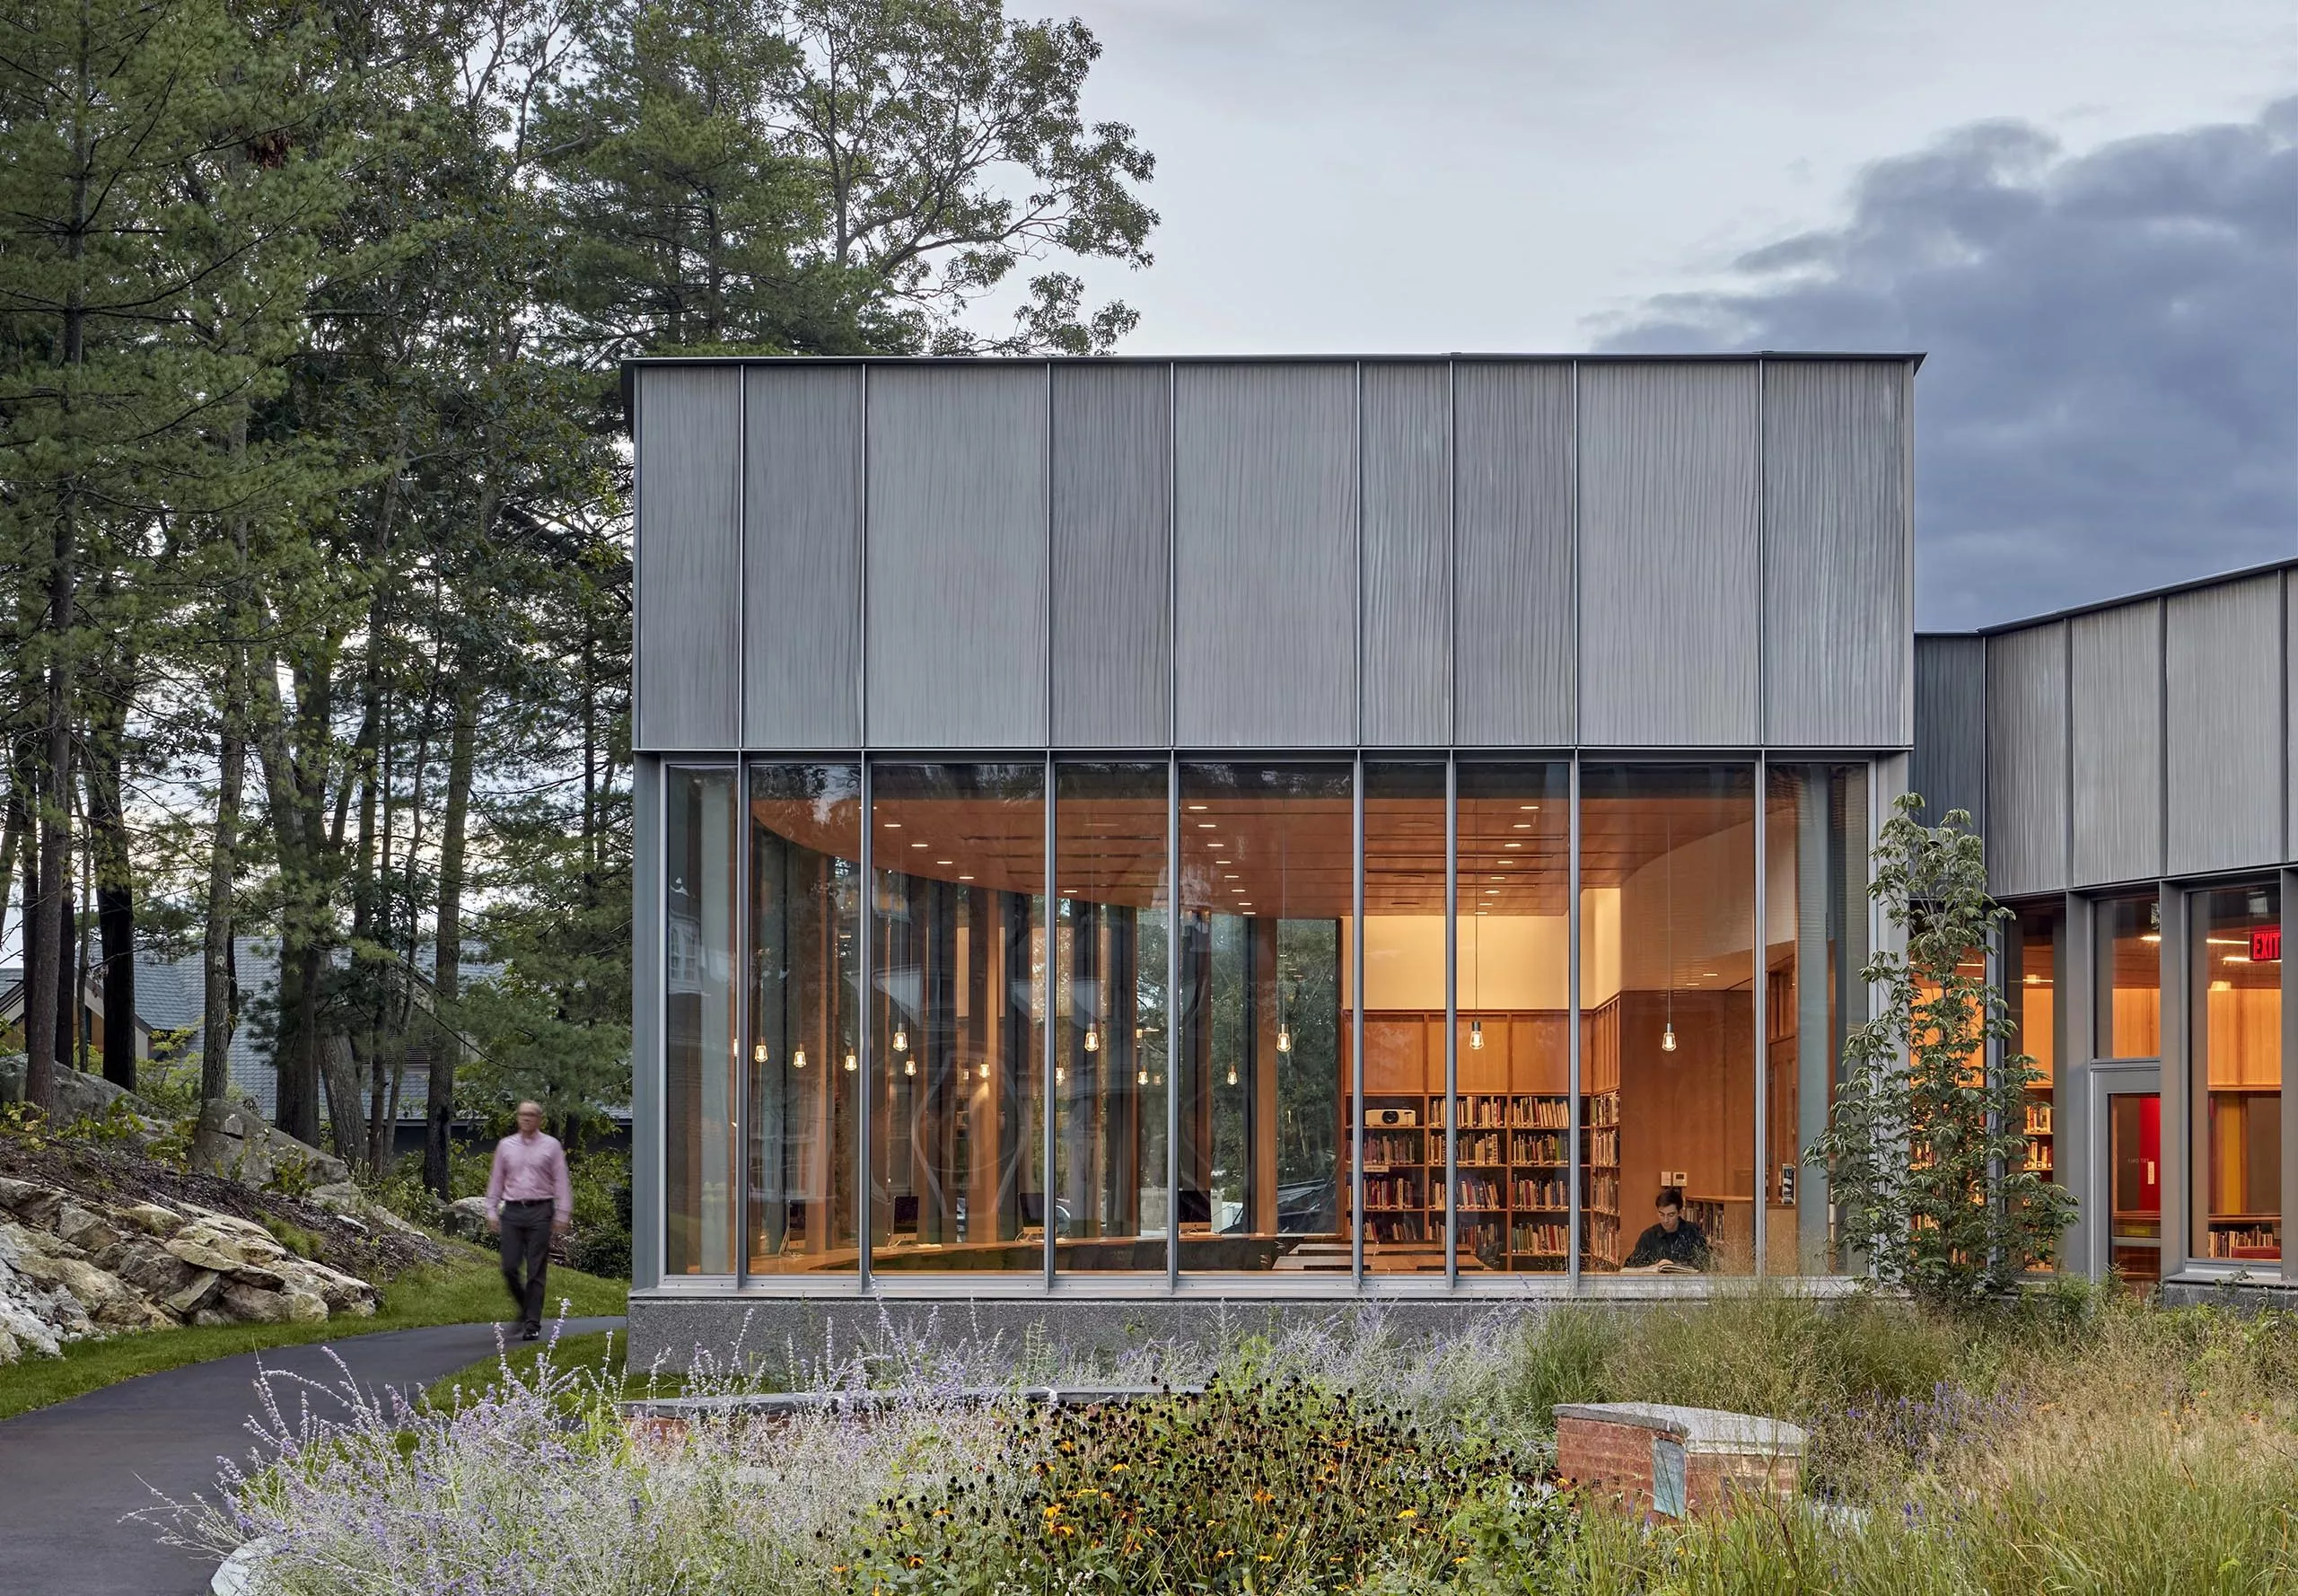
(69, 1474)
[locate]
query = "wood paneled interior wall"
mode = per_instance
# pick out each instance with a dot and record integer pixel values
(1404, 1053)
(1693, 1109)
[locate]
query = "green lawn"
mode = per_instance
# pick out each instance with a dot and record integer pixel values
(467, 1289)
(600, 1350)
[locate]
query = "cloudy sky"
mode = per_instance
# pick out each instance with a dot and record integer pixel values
(2086, 213)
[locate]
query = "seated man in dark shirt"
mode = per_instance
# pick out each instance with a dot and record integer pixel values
(1675, 1240)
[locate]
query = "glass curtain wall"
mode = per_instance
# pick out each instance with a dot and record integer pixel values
(701, 1071)
(1267, 874)
(2234, 952)
(805, 831)
(1514, 1030)
(1816, 942)
(1403, 1005)
(1111, 1072)
(1667, 979)
(957, 1101)
(2129, 952)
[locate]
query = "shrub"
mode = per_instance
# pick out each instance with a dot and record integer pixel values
(1264, 1487)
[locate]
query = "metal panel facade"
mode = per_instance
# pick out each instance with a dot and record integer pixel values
(1112, 548)
(801, 517)
(1948, 765)
(1408, 652)
(688, 556)
(1265, 530)
(956, 561)
(1516, 681)
(2223, 648)
(1669, 558)
(2026, 760)
(2289, 759)
(2115, 701)
(1837, 538)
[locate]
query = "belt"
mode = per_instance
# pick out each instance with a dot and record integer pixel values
(526, 1202)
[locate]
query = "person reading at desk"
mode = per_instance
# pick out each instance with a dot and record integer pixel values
(1673, 1246)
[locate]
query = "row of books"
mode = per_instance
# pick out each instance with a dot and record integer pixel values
(1392, 1192)
(1529, 1192)
(1552, 1238)
(2249, 1241)
(2038, 1119)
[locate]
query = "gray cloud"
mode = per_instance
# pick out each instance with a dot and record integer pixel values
(2110, 401)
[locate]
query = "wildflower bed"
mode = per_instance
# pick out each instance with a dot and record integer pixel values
(2075, 1443)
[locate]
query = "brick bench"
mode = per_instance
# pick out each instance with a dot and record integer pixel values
(1673, 1462)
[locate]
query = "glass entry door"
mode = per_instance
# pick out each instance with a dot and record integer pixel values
(2134, 1172)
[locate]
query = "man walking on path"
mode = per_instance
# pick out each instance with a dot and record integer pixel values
(528, 1202)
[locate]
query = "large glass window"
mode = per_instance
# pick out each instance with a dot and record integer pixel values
(1666, 990)
(805, 828)
(957, 1161)
(2129, 952)
(1110, 1073)
(1514, 1036)
(2235, 947)
(2034, 941)
(1267, 880)
(701, 1075)
(1815, 945)
(1403, 1005)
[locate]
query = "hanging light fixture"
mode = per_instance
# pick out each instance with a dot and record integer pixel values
(1142, 1079)
(852, 1063)
(758, 1053)
(1093, 1038)
(797, 1058)
(1233, 1074)
(1667, 878)
(1284, 1038)
(1476, 1036)
(1059, 1075)
(901, 1038)
(1476, 984)
(909, 1066)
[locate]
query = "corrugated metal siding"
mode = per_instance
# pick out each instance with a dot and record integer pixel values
(1514, 670)
(1266, 541)
(1670, 576)
(2116, 705)
(802, 511)
(1836, 534)
(2289, 708)
(2221, 647)
(688, 556)
(2026, 760)
(1948, 765)
(1408, 548)
(956, 557)
(1112, 520)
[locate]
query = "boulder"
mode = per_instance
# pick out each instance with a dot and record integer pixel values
(249, 1304)
(150, 1218)
(25, 1316)
(467, 1217)
(148, 1266)
(196, 1293)
(234, 1141)
(80, 1095)
(31, 1203)
(83, 1230)
(199, 1255)
(343, 1294)
(213, 1316)
(304, 1307)
(107, 1300)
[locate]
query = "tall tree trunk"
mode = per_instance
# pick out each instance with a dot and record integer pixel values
(218, 1012)
(447, 982)
(68, 995)
(115, 882)
(12, 842)
(347, 1116)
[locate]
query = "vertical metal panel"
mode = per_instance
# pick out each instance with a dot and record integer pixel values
(1514, 671)
(1112, 515)
(648, 974)
(2026, 760)
(687, 547)
(956, 555)
(1948, 765)
(1836, 534)
(2223, 655)
(801, 557)
(2116, 697)
(1407, 658)
(2290, 772)
(1670, 575)
(1264, 534)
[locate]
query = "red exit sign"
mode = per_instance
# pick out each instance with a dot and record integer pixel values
(2266, 945)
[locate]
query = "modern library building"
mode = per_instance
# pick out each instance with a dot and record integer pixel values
(1122, 841)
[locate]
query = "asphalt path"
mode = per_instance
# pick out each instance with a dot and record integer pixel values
(71, 1474)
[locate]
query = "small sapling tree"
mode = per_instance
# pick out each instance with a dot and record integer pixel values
(1925, 1147)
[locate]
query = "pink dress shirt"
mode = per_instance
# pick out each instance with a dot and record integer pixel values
(528, 1171)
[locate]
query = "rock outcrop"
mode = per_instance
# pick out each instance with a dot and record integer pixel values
(73, 1267)
(234, 1140)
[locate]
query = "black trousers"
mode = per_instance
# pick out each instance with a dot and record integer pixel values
(526, 1247)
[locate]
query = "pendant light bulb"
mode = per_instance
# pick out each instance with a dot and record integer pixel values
(758, 1053)
(1284, 1039)
(797, 1058)
(1233, 1075)
(1059, 1075)
(1668, 1038)
(1092, 1038)
(909, 1066)
(852, 1064)
(901, 1039)
(1142, 1079)
(1476, 1036)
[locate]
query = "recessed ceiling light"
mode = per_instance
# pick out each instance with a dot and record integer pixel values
(965, 878)
(945, 861)
(1198, 807)
(1205, 825)
(1512, 845)
(917, 845)
(893, 825)
(1529, 809)
(1708, 973)
(1496, 878)
(1523, 825)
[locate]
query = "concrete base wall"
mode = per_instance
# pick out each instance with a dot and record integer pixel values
(667, 1331)
(2248, 1296)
